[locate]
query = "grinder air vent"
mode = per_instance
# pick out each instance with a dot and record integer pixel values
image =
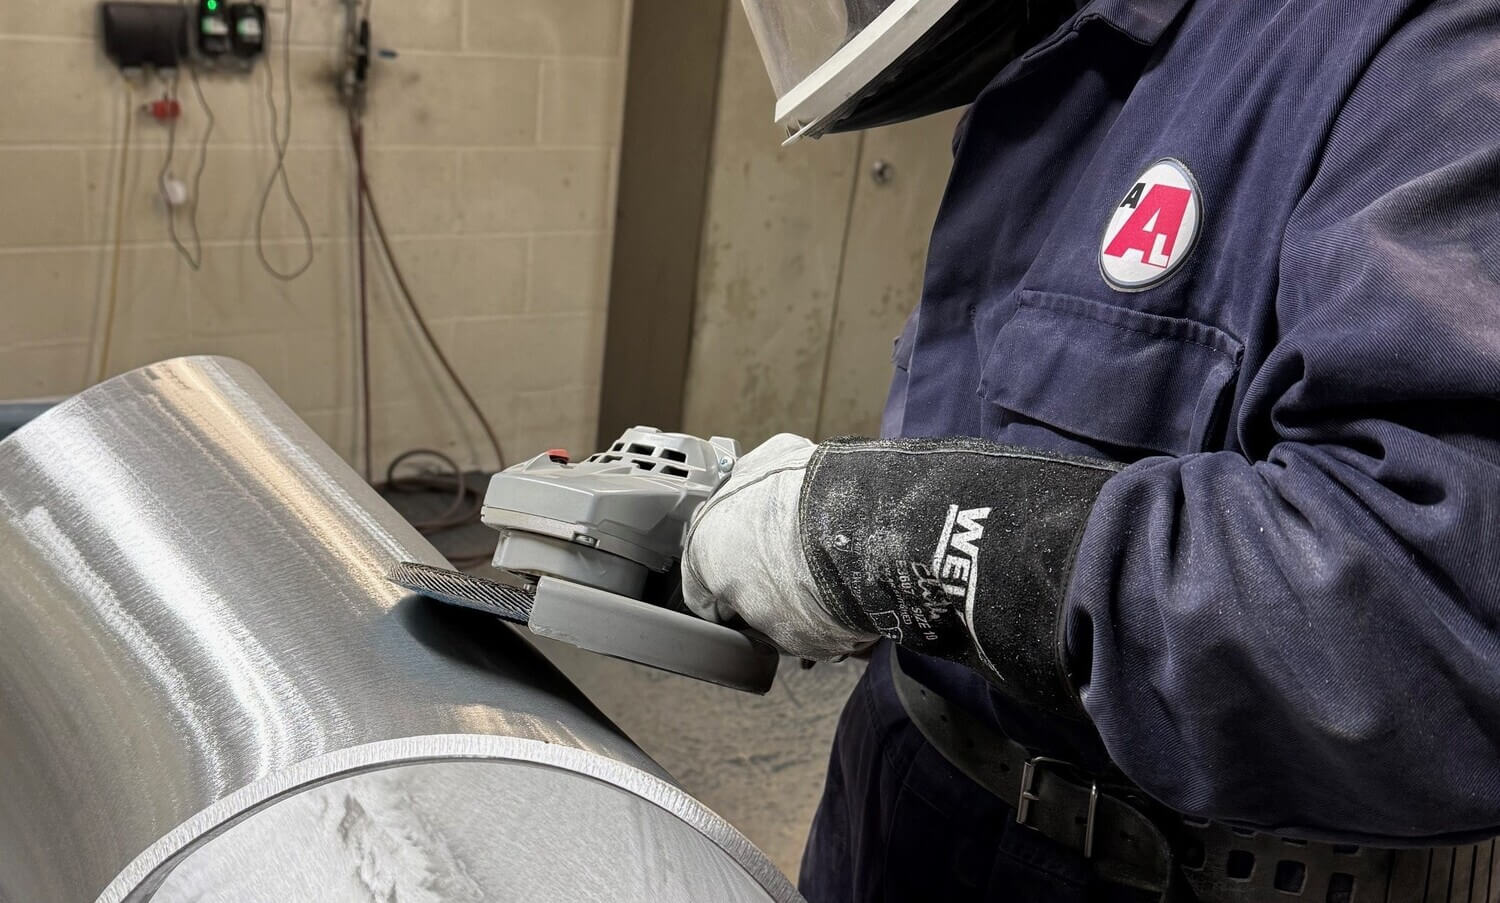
(654, 459)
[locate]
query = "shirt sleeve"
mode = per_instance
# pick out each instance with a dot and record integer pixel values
(1306, 636)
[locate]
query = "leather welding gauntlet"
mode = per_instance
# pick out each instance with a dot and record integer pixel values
(957, 548)
(745, 556)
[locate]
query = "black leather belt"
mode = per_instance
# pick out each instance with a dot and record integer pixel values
(1131, 840)
(1102, 822)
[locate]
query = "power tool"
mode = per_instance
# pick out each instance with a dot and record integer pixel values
(590, 554)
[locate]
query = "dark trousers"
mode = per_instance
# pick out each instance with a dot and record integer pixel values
(897, 822)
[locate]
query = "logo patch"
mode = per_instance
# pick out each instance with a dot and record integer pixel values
(1153, 229)
(955, 562)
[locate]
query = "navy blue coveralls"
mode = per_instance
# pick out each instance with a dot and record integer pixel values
(1292, 594)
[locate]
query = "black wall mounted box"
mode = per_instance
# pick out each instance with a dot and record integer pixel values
(137, 35)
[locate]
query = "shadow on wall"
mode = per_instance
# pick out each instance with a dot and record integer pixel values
(811, 259)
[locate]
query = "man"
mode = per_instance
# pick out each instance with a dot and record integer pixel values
(1208, 534)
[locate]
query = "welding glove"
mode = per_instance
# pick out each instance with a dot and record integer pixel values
(957, 548)
(745, 557)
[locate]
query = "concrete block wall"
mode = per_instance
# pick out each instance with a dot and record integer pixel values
(492, 141)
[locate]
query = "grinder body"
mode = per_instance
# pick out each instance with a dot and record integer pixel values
(593, 549)
(611, 520)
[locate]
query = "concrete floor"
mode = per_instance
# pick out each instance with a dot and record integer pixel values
(756, 760)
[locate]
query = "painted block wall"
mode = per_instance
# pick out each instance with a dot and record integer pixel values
(492, 149)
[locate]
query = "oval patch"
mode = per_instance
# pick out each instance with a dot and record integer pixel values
(1152, 230)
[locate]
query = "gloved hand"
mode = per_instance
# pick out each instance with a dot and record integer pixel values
(745, 557)
(956, 548)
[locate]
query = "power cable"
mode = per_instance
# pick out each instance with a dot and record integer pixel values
(357, 135)
(468, 500)
(108, 324)
(195, 257)
(416, 314)
(281, 137)
(461, 512)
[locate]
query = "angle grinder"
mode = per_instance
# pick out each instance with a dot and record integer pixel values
(590, 554)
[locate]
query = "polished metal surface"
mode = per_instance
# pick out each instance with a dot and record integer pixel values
(370, 838)
(195, 623)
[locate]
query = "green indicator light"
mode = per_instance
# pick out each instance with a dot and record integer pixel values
(212, 5)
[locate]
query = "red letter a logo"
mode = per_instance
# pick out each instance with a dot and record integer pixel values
(1152, 229)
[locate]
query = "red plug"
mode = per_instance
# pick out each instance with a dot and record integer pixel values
(166, 109)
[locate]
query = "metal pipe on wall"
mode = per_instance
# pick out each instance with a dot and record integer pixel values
(195, 630)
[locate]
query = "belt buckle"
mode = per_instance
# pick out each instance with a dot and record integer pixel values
(1029, 796)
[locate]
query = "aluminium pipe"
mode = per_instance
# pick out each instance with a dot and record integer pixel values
(201, 665)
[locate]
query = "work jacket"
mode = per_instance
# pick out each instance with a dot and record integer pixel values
(1252, 249)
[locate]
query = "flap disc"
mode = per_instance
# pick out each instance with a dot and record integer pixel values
(513, 603)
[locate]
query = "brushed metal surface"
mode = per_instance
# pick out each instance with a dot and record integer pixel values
(194, 624)
(370, 838)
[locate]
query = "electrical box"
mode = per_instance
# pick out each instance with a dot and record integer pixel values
(141, 35)
(247, 30)
(213, 33)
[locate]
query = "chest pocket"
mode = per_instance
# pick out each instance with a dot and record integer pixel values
(1076, 375)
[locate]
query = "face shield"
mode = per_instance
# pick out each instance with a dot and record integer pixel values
(841, 65)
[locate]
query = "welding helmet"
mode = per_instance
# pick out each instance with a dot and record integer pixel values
(842, 65)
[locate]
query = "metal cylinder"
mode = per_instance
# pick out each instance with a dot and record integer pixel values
(197, 644)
